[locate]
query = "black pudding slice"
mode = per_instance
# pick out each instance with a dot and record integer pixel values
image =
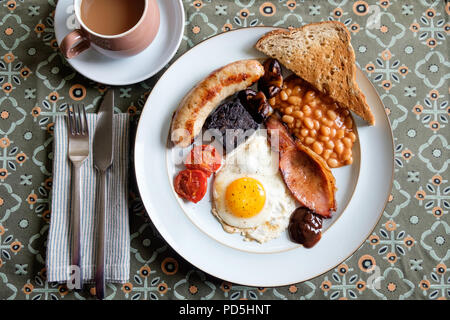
(232, 123)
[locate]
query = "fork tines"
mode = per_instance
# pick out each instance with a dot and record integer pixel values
(77, 125)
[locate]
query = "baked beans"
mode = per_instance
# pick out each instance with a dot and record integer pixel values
(317, 121)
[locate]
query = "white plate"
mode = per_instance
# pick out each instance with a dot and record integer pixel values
(97, 67)
(192, 231)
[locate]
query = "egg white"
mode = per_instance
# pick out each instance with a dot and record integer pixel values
(254, 159)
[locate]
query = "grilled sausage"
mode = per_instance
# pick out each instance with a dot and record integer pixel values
(207, 95)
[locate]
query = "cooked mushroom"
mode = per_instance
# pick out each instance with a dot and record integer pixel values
(272, 81)
(256, 103)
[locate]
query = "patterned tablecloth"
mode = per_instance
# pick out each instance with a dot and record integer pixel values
(406, 56)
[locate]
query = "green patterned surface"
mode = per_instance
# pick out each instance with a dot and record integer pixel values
(405, 56)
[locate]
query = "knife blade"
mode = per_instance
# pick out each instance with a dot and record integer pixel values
(103, 148)
(103, 138)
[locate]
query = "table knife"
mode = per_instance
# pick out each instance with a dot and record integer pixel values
(103, 148)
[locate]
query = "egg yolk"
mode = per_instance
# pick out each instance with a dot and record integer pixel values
(245, 197)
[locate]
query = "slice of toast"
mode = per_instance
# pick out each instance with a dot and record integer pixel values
(321, 54)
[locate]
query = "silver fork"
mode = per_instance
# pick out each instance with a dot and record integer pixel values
(78, 153)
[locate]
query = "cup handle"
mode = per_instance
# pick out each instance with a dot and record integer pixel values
(74, 43)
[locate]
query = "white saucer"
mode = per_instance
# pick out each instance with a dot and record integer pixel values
(100, 68)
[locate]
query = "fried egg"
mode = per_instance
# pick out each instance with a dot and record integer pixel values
(249, 194)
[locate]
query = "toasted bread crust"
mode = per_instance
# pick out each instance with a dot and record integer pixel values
(320, 53)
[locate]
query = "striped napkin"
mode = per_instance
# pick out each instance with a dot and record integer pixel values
(117, 251)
